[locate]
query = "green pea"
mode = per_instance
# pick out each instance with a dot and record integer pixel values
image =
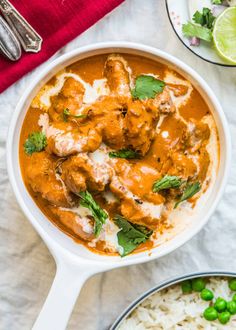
(234, 297)
(224, 317)
(232, 284)
(207, 295)
(210, 314)
(220, 304)
(231, 307)
(186, 286)
(198, 284)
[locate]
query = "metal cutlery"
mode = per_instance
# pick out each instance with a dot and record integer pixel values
(9, 45)
(27, 36)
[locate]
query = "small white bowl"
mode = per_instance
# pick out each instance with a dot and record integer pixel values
(164, 285)
(180, 12)
(74, 262)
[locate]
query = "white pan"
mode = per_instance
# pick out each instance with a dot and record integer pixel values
(75, 264)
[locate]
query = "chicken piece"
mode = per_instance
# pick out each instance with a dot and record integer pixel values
(178, 89)
(64, 139)
(199, 134)
(73, 89)
(131, 207)
(109, 114)
(80, 172)
(177, 132)
(117, 75)
(140, 126)
(113, 131)
(162, 102)
(79, 225)
(138, 177)
(204, 163)
(125, 123)
(72, 141)
(133, 211)
(42, 178)
(182, 166)
(70, 97)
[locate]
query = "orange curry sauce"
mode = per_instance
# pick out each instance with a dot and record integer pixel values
(170, 139)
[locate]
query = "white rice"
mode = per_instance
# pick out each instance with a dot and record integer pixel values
(170, 309)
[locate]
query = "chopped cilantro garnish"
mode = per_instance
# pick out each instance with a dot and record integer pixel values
(167, 182)
(189, 191)
(124, 153)
(66, 114)
(99, 215)
(130, 236)
(146, 87)
(36, 142)
(194, 30)
(206, 18)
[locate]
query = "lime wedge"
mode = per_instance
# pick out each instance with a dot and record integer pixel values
(224, 34)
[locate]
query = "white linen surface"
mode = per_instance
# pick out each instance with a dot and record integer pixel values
(26, 266)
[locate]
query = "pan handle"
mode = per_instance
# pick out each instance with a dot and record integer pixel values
(62, 296)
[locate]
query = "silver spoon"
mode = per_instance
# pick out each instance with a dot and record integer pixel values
(9, 45)
(28, 37)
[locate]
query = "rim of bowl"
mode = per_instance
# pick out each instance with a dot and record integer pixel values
(163, 285)
(190, 49)
(123, 46)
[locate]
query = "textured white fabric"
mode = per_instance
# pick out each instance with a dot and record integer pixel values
(26, 266)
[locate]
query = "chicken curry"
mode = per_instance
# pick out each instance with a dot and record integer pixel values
(113, 146)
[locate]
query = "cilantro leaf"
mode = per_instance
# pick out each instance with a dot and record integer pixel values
(124, 153)
(36, 142)
(66, 114)
(189, 191)
(99, 215)
(193, 30)
(198, 18)
(146, 87)
(209, 18)
(206, 18)
(130, 236)
(167, 182)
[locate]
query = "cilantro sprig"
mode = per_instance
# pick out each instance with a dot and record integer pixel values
(35, 142)
(130, 236)
(204, 25)
(194, 30)
(66, 114)
(189, 191)
(147, 87)
(124, 153)
(167, 182)
(99, 215)
(204, 18)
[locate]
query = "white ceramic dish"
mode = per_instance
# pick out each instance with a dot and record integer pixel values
(165, 285)
(74, 262)
(180, 12)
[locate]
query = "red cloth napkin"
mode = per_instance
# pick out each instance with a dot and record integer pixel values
(58, 22)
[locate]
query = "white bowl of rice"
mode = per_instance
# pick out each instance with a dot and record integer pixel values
(166, 307)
